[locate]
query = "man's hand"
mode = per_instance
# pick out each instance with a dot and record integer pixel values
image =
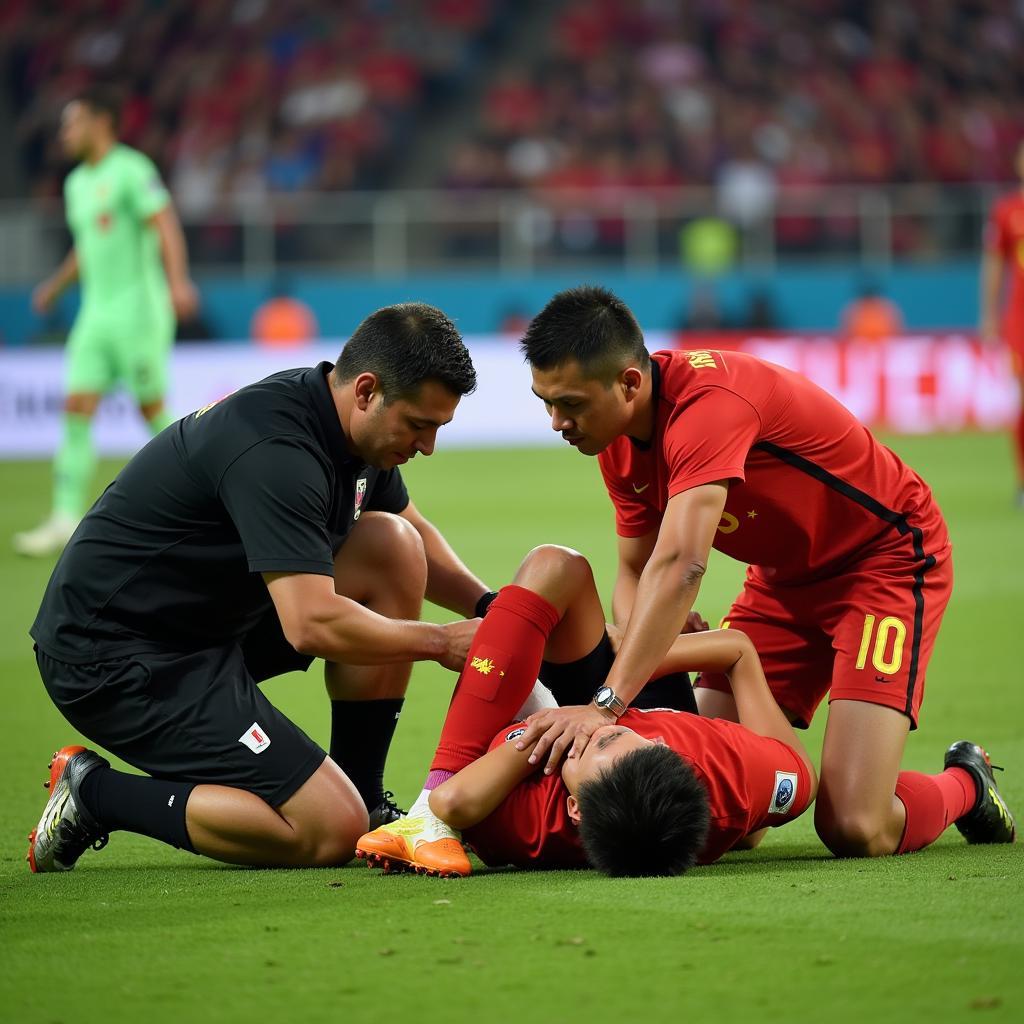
(44, 296)
(695, 623)
(459, 635)
(184, 298)
(556, 730)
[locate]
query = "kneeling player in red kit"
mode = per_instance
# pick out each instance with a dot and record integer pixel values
(653, 794)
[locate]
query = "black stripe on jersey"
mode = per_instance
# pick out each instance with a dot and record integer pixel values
(895, 519)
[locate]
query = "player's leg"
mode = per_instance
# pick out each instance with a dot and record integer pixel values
(866, 806)
(857, 813)
(382, 566)
(146, 357)
(318, 826)
(551, 609)
(233, 778)
(88, 376)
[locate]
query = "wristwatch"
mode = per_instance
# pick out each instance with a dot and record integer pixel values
(605, 698)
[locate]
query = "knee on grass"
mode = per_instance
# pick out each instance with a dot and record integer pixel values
(331, 839)
(852, 833)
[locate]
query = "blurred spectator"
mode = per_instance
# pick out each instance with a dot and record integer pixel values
(282, 320)
(871, 316)
(514, 320)
(707, 246)
(760, 314)
(705, 312)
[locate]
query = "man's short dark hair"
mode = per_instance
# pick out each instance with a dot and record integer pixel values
(645, 815)
(588, 324)
(102, 99)
(404, 346)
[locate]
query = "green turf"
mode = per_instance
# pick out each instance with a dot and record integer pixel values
(141, 932)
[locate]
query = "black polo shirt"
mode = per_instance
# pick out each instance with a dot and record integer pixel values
(170, 556)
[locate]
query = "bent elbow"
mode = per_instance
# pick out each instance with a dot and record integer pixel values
(693, 571)
(304, 637)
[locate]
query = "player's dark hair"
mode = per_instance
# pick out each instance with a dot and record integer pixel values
(102, 99)
(645, 815)
(588, 324)
(404, 346)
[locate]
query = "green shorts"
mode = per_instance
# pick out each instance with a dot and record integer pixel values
(131, 352)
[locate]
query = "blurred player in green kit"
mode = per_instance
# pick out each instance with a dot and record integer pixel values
(129, 254)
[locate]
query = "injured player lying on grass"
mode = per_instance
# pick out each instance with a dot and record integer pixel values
(653, 793)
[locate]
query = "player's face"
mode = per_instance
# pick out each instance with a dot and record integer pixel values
(606, 746)
(389, 434)
(76, 129)
(584, 410)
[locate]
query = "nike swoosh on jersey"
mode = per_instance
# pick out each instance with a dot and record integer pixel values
(640, 490)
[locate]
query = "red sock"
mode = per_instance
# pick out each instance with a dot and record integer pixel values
(1018, 446)
(933, 803)
(500, 672)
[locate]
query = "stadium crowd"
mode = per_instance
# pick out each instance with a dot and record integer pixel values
(238, 101)
(793, 92)
(235, 99)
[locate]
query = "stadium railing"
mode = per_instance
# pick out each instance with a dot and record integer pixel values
(395, 232)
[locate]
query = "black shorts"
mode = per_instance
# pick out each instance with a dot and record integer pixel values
(196, 717)
(578, 681)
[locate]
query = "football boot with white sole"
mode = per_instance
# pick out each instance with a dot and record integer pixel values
(420, 842)
(66, 830)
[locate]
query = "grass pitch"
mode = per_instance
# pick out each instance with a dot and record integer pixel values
(785, 933)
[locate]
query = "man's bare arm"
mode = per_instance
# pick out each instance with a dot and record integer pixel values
(472, 794)
(668, 586)
(664, 596)
(634, 553)
(317, 621)
(184, 297)
(731, 652)
(449, 583)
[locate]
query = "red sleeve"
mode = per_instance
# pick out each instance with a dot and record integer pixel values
(707, 438)
(633, 516)
(778, 782)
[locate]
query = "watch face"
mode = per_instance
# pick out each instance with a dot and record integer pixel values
(603, 696)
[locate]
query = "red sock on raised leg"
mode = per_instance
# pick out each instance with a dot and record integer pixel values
(500, 671)
(933, 803)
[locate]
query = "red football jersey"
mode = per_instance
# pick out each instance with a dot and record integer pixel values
(812, 491)
(1005, 235)
(752, 781)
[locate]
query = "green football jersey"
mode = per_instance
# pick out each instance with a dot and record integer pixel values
(108, 205)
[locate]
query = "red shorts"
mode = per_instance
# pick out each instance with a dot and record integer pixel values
(866, 635)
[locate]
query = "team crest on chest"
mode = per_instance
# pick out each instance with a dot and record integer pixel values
(360, 494)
